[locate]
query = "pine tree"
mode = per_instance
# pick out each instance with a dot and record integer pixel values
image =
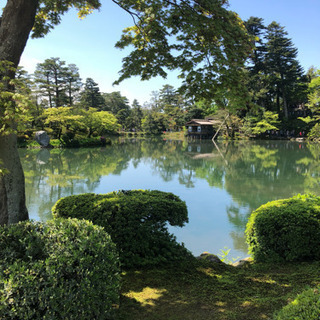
(50, 78)
(91, 96)
(256, 29)
(282, 66)
(73, 83)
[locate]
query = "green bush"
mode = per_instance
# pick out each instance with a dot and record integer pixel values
(56, 143)
(136, 221)
(64, 269)
(285, 230)
(305, 307)
(68, 140)
(314, 133)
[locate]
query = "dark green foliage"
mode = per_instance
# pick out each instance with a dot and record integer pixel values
(305, 307)
(68, 140)
(136, 220)
(64, 269)
(91, 96)
(77, 141)
(285, 230)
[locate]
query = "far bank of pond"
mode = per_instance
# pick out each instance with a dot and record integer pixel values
(221, 185)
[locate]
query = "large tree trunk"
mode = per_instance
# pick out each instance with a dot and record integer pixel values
(15, 26)
(11, 183)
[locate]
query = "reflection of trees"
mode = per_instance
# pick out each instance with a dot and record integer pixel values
(269, 171)
(239, 220)
(311, 169)
(261, 172)
(253, 173)
(168, 161)
(53, 174)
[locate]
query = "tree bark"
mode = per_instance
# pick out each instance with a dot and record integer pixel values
(16, 24)
(3, 203)
(12, 184)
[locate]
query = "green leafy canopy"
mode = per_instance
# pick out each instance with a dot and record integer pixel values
(207, 43)
(50, 12)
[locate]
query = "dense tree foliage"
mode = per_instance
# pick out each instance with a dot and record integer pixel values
(50, 77)
(314, 93)
(91, 96)
(135, 116)
(276, 79)
(207, 43)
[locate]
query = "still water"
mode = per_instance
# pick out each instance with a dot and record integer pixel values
(220, 184)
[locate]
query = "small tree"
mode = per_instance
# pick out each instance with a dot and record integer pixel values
(314, 94)
(259, 124)
(62, 117)
(313, 104)
(99, 121)
(134, 121)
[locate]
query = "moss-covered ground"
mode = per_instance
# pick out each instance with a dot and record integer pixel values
(204, 290)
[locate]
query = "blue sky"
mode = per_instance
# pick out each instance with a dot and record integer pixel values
(89, 43)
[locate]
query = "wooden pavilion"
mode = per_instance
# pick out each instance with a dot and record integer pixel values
(201, 128)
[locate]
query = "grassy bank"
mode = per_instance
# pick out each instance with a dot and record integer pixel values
(203, 290)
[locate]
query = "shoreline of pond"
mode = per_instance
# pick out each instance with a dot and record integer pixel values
(107, 141)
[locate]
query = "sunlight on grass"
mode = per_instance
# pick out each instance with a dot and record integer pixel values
(147, 296)
(270, 281)
(246, 304)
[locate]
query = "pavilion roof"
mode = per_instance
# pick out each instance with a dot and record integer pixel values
(202, 122)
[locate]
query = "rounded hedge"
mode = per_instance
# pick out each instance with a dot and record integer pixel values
(136, 220)
(285, 230)
(306, 306)
(63, 269)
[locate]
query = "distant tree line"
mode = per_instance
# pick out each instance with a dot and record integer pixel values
(282, 97)
(61, 100)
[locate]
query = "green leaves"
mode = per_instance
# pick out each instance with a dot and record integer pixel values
(13, 105)
(285, 230)
(203, 40)
(314, 93)
(49, 13)
(99, 121)
(269, 121)
(64, 269)
(57, 84)
(136, 220)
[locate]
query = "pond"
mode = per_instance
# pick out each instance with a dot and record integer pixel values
(221, 184)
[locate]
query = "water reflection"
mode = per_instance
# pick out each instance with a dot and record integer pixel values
(221, 184)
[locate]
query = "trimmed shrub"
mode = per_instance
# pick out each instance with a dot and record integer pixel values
(305, 307)
(64, 269)
(285, 230)
(136, 221)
